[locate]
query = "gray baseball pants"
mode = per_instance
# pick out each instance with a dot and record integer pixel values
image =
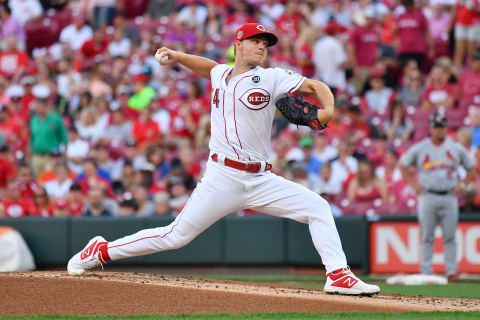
(442, 209)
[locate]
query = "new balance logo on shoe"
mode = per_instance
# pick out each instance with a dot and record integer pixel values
(87, 252)
(346, 282)
(343, 281)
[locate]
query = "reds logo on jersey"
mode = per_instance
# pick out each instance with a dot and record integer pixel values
(255, 98)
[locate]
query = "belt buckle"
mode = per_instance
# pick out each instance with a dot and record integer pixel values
(255, 167)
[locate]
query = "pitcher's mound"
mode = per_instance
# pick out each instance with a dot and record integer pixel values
(105, 293)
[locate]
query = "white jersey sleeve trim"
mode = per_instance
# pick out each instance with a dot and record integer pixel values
(297, 86)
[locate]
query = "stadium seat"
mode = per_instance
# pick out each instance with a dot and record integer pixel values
(42, 32)
(134, 8)
(456, 118)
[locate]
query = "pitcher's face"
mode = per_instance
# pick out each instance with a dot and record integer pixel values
(253, 51)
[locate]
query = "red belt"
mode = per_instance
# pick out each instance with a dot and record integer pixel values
(249, 167)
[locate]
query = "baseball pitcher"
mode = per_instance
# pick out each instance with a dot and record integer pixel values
(238, 173)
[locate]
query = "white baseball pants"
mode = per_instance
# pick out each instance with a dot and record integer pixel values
(224, 190)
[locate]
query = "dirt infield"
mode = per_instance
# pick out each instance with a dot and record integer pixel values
(134, 293)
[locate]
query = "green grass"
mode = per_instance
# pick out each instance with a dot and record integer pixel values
(274, 316)
(462, 288)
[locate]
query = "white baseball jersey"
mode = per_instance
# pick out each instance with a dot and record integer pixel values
(243, 110)
(241, 123)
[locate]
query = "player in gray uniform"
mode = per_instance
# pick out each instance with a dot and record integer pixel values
(437, 159)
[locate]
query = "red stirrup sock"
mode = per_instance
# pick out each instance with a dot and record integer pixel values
(103, 248)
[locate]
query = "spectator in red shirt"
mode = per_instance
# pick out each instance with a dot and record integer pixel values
(73, 204)
(363, 49)
(470, 83)
(239, 15)
(27, 184)
(17, 109)
(27, 82)
(7, 168)
(403, 197)
(41, 204)
(358, 124)
(91, 178)
(145, 130)
(464, 17)
(191, 165)
(145, 177)
(95, 46)
(10, 128)
(366, 186)
(182, 123)
(14, 206)
(13, 61)
(414, 40)
(337, 128)
(304, 52)
(287, 24)
(197, 103)
(439, 93)
(285, 56)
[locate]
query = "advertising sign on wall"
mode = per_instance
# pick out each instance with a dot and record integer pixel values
(395, 247)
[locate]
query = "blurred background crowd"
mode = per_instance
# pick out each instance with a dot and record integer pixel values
(91, 124)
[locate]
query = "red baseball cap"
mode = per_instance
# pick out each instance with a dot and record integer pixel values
(249, 30)
(143, 78)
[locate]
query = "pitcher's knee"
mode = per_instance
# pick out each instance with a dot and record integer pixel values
(180, 240)
(320, 207)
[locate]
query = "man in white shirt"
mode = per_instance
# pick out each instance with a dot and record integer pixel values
(271, 10)
(77, 33)
(193, 15)
(68, 78)
(25, 10)
(323, 150)
(324, 183)
(329, 58)
(343, 166)
(77, 151)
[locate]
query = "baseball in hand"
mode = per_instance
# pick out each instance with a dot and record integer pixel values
(162, 58)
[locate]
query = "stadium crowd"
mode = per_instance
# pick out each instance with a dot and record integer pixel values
(92, 125)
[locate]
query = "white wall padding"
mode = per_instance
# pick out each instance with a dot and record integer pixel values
(14, 252)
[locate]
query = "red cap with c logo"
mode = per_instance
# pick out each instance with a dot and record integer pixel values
(249, 30)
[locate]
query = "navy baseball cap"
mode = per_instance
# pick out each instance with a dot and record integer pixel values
(438, 119)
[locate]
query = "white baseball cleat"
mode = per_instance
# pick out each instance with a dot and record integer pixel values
(90, 257)
(343, 281)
